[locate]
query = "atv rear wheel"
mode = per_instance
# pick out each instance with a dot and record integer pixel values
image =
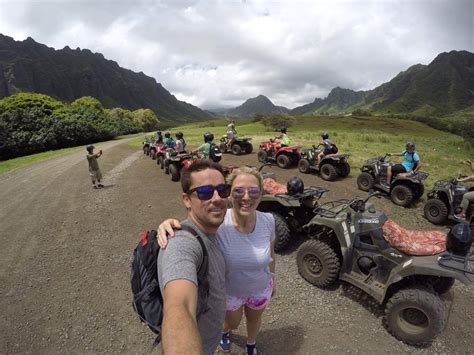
(328, 172)
(282, 233)
(153, 154)
(318, 263)
(236, 149)
(304, 166)
(415, 316)
(223, 147)
(283, 161)
(174, 172)
(436, 211)
(161, 162)
(344, 169)
(262, 156)
(248, 148)
(365, 181)
(443, 284)
(402, 195)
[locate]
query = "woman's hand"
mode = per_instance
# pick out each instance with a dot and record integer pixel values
(166, 230)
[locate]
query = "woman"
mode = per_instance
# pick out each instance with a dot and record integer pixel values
(468, 197)
(246, 240)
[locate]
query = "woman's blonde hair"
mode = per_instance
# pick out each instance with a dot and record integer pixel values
(246, 170)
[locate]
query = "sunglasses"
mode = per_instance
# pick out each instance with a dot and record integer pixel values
(206, 192)
(239, 192)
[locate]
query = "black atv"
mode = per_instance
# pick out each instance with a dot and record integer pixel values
(146, 146)
(291, 212)
(403, 189)
(330, 167)
(444, 201)
(239, 145)
(346, 242)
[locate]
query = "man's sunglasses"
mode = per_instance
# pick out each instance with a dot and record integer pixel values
(206, 192)
(239, 192)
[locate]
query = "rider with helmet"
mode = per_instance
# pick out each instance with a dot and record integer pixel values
(169, 142)
(284, 139)
(205, 148)
(180, 143)
(329, 146)
(231, 132)
(468, 197)
(411, 163)
(159, 138)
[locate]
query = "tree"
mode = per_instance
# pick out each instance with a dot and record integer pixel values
(147, 119)
(278, 120)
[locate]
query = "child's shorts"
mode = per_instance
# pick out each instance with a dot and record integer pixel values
(256, 301)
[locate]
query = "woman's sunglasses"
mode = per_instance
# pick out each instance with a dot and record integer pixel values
(239, 192)
(206, 192)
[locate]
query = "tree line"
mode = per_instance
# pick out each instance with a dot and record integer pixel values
(32, 123)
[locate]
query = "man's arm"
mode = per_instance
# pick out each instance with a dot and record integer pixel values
(180, 332)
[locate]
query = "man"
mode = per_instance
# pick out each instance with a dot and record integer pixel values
(231, 132)
(410, 165)
(186, 329)
(468, 197)
(94, 169)
(205, 148)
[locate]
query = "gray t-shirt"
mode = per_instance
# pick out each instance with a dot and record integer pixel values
(181, 260)
(247, 256)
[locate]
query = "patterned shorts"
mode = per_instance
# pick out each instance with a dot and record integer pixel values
(256, 301)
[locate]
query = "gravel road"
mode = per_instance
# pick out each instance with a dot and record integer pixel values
(65, 263)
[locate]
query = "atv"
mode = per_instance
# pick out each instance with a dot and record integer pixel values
(239, 145)
(444, 201)
(330, 167)
(175, 162)
(155, 148)
(291, 212)
(146, 146)
(160, 154)
(283, 156)
(346, 242)
(404, 188)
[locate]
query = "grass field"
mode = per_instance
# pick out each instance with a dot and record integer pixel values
(362, 137)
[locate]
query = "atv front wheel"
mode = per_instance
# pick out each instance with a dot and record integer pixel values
(236, 149)
(262, 156)
(436, 211)
(328, 172)
(282, 233)
(223, 147)
(365, 181)
(174, 172)
(415, 316)
(344, 169)
(402, 195)
(283, 161)
(318, 263)
(304, 166)
(248, 148)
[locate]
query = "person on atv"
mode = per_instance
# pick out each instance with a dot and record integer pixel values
(159, 138)
(180, 143)
(329, 147)
(169, 142)
(468, 197)
(205, 148)
(231, 133)
(410, 165)
(283, 138)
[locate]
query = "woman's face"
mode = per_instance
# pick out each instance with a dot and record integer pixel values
(246, 194)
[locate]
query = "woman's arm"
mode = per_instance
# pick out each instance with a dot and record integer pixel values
(166, 230)
(272, 265)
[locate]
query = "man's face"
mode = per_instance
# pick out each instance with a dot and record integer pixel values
(208, 214)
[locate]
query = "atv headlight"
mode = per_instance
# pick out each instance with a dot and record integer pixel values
(459, 239)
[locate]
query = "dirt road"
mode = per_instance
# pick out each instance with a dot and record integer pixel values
(65, 260)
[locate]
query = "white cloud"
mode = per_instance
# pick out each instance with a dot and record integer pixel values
(220, 53)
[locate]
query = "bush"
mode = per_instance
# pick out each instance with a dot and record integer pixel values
(278, 120)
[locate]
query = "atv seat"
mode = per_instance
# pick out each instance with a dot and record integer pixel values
(270, 186)
(418, 243)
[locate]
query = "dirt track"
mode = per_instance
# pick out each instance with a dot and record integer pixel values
(65, 258)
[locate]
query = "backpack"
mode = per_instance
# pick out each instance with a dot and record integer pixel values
(215, 153)
(147, 298)
(334, 149)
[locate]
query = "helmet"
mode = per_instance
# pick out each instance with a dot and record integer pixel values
(179, 135)
(410, 145)
(90, 148)
(167, 134)
(208, 137)
(325, 135)
(459, 239)
(295, 185)
(283, 130)
(158, 133)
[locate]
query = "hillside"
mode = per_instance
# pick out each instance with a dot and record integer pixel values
(68, 74)
(259, 104)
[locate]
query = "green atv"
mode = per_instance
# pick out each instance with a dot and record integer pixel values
(291, 212)
(346, 242)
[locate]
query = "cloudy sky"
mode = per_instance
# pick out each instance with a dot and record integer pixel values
(220, 53)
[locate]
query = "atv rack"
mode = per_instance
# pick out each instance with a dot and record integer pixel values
(459, 263)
